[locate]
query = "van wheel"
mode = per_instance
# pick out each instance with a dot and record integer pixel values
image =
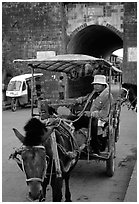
(14, 103)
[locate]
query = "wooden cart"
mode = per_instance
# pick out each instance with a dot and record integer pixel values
(80, 70)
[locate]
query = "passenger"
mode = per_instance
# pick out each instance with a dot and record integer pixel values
(38, 87)
(61, 88)
(29, 89)
(96, 110)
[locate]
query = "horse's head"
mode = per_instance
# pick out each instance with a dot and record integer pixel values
(124, 94)
(40, 149)
(131, 96)
(34, 158)
(34, 165)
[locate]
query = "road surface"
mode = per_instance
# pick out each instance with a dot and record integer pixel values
(88, 182)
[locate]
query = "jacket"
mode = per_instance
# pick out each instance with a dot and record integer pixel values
(100, 106)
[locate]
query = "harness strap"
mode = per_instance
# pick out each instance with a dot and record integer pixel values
(72, 136)
(34, 179)
(50, 179)
(55, 155)
(39, 146)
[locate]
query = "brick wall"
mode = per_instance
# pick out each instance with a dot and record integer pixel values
(101, 13)
(30, 27)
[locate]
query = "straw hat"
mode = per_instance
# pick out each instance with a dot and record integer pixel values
(100, 79)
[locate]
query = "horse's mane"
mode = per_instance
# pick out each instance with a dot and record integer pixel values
(132, 88)
(34, 130)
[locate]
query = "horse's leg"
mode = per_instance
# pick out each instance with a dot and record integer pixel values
(57, 189)
(67, 189)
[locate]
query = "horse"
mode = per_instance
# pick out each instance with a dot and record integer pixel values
(49, 154)
(131, 97)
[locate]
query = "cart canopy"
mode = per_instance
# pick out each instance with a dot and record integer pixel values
(68, 63)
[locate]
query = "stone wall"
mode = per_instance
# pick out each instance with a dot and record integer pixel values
(130, 43)
(102, 13)
(28, 27)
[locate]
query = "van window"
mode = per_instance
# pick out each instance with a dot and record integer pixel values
(24, 86)
(14, 86)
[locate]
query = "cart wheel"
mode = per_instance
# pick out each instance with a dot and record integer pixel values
(14, 104)
(110, 163)
(117, 132)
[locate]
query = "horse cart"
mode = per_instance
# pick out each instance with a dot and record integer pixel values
(80, 71)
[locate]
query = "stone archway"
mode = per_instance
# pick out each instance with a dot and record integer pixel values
(96, 40)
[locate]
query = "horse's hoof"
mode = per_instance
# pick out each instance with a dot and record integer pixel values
(68, 200)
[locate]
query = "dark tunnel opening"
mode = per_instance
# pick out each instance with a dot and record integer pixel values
(95, 40)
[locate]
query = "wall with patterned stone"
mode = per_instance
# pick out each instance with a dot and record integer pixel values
(28, 27)
(130, 43)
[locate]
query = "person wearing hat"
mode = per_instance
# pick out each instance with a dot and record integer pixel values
(61, 88)
(97, 106)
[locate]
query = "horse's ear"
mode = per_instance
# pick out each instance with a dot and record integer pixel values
(19, 135)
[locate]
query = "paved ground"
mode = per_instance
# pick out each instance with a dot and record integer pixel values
(131, 194)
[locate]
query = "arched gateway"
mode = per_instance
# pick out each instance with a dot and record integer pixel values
(95, 40)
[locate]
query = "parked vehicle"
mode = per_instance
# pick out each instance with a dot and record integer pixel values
(19, 90)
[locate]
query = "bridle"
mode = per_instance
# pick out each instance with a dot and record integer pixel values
(21, 165)
(34, 178)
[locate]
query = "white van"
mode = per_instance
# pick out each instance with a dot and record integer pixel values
(19, 90)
